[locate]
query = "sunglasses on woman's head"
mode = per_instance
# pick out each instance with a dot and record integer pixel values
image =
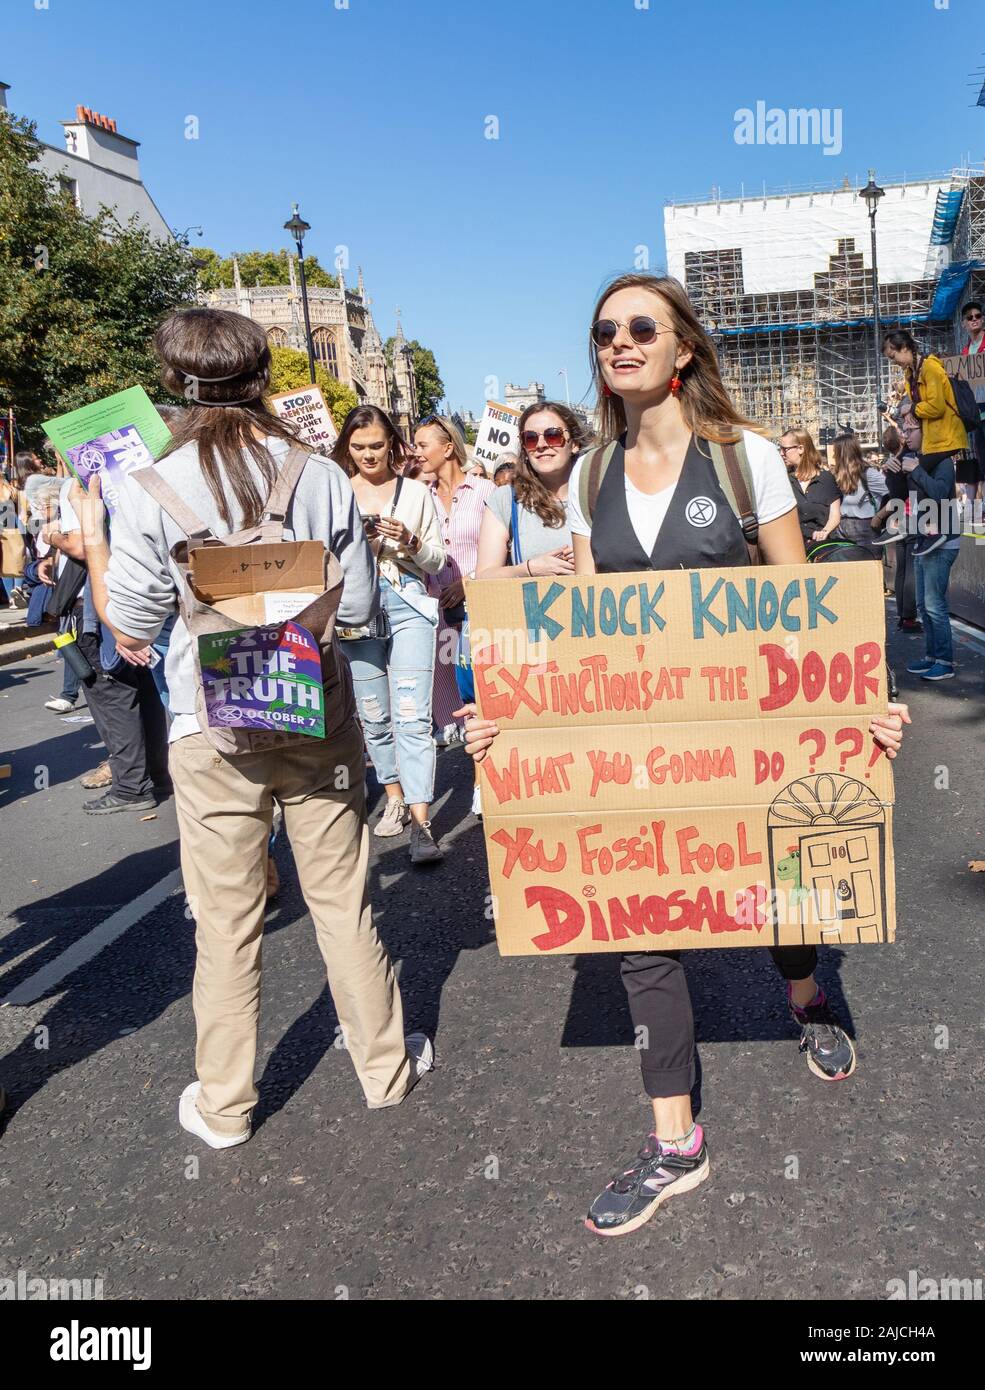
(642, 329)
(432, 420)
(553, 436)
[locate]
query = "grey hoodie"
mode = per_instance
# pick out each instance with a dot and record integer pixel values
(143, 582)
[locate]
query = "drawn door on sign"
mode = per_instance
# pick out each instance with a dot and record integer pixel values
(827, 840)
(842, 870)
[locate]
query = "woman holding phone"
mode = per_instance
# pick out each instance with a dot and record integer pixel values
(662, 399)
(459, 500)
(393, 664)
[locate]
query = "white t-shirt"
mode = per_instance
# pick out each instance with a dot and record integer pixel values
(771, 485)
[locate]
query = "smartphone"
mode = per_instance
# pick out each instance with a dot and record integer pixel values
(369, 524)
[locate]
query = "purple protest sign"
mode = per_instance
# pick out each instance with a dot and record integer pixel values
(263, 678)
(111, 456)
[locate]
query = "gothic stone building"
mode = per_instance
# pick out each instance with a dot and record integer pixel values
(344, 337)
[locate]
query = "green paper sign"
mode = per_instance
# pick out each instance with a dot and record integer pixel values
(109, 438)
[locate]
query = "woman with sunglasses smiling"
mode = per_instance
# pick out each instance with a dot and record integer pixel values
(662, 399)
(525, 529)
(459, 500)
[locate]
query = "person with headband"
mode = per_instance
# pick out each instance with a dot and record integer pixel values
(662, 400)
(226, 454)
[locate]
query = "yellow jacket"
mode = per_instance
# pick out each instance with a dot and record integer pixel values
(937, 411)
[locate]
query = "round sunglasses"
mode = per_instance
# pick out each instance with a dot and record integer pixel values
(553, 436)
(642, 329)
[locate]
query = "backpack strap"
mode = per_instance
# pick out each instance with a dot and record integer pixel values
(593, 470)
(169, 501)
(735, 478)
(283, 488)
(516, 554)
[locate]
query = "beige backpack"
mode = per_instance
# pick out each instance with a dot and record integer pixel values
(227, 581)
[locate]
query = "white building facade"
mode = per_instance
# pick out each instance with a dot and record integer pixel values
(99, 168)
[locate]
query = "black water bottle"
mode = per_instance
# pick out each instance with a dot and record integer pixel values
(79, 662)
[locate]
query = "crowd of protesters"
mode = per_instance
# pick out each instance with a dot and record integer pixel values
(408, 522)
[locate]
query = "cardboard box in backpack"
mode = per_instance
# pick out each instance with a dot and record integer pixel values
(260, 612)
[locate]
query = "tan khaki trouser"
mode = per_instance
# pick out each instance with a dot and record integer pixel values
(224, 813)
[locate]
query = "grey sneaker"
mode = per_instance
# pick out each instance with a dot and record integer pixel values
(423, 849)
(830, 1053)
(109, 803)
(395, 816)
(656, 1173)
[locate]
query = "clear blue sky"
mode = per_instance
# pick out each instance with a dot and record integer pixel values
(373, 118)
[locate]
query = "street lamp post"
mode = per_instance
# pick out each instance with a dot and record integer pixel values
(297, 228)
(567, 394)
(872, 193)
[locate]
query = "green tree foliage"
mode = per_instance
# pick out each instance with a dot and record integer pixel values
(289, 372)
(430, 387)
(80, 296)
(255, 267)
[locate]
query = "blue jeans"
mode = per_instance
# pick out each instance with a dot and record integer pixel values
(160, 644)
(392, 680)
(933, 573)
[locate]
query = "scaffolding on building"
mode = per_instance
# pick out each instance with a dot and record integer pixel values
(805, 357)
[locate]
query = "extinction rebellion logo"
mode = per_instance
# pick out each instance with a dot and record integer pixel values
(701, 511)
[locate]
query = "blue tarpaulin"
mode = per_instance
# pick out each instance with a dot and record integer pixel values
(950, 288)
(946, 215)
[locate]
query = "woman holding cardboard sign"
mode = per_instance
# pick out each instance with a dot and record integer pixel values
(236, 474)
(653, 499)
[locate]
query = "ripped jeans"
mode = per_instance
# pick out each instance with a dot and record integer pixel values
(392, 681)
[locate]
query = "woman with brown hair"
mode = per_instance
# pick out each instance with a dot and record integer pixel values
(525, 529)
(820, 511)
(227, 453)
(393, 662)
(857, 484)
(459, 495)
(660, 505)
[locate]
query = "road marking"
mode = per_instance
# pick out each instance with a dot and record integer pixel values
(972, 636)
(88, 946)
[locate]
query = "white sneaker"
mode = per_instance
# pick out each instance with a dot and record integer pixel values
(477, 802)
(395, 816)
(421, 1048)
(451, 736)
(190, 1118)
(59, 704)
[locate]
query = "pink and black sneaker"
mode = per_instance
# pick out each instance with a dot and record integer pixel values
(830, 1052)
(659, 1171)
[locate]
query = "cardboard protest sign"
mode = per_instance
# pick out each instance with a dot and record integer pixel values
(969, 368)
(684, 759)
(263, 678)
(498, 433)
(109, 438)
(307, 412)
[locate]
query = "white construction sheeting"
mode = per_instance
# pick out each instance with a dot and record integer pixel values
(787, 239)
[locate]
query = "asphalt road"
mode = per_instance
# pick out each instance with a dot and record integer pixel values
(476, 1187)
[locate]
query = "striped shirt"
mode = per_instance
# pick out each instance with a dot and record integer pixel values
(460, 527)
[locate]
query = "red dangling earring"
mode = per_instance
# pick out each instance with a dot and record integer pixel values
(606, 389)
(675, 385)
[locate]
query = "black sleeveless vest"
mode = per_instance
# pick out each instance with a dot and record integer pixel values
(699, 531)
